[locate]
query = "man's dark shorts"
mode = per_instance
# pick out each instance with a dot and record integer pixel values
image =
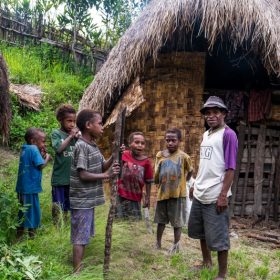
(206, 223)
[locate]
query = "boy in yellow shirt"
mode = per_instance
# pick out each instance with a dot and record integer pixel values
(172, 168)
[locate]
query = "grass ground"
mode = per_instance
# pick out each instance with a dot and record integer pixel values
(133, 252)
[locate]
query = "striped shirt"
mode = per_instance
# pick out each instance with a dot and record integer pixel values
(86, 195)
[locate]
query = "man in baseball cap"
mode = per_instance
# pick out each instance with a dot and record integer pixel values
(209, 217)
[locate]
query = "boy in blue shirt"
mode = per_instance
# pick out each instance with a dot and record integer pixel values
(33, 158)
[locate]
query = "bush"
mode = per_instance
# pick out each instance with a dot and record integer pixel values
(9, 205)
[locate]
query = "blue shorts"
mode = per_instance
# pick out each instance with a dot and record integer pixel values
(82, 226)
(60, 196)
(31, 216)
(205, 223)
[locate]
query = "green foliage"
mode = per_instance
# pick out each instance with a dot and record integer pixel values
(15, 265)
(54, 72)
(9, 204)
(262, 272)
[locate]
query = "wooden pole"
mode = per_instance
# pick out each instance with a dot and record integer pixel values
(241, 139)
(118, 141)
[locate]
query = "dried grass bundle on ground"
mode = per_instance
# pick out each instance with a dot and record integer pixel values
(250, 24)
(5, 102)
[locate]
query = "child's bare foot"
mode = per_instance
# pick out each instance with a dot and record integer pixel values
(174, 249)
(78, 269)
(158, 245)
(200, 266)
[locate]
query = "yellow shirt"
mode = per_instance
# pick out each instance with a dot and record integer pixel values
(170, 173)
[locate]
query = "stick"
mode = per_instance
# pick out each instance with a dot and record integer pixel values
(118, 141)
(264, 239)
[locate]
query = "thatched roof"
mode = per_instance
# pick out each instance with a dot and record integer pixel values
(254, 24)
(28, 95)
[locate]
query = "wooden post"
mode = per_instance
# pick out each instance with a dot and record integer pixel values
(271, 180)
(248, 165)
(118, 141)
(277, 187)
(258, 172)
(241, 139)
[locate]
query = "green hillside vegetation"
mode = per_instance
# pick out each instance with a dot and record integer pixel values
(54, 72)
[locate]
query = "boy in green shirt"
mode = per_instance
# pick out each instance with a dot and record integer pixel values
(63, 142)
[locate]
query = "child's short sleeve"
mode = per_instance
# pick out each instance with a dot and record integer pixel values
(148, 172)
(188, 164)
(81, 157)
(56, 140)
(37, 158)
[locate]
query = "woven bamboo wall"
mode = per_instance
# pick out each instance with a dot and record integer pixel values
(173, 90)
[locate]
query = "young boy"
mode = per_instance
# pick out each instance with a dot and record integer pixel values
(88, 169)
(172, 168)
(137, 171)
(63, 142)
(29, 179)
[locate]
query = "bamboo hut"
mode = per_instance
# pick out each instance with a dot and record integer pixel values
(178, 52)
(5, 104)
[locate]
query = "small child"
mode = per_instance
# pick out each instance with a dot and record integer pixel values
(63, 142)
(172, 168)
(88, 169)
(136, 172)
(29, 179)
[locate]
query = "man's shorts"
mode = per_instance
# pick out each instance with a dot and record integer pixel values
(171, 210)
(205, 223)
(82, 226)
(60, 196)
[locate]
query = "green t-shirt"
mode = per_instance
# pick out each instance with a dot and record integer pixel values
(62, 161)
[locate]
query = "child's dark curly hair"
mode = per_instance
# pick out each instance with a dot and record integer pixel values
(85, 116)
(32, 133)
(176, 131)
(63, 110)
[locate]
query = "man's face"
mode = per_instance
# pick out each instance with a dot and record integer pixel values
(214, 117)
(172, 142)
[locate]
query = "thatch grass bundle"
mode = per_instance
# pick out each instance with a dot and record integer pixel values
(5, 103)
(254, 24)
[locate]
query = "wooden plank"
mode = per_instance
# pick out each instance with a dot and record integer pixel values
(246, 173)
(277, 187)
(271, 180)
(241, 138)
(258, 172)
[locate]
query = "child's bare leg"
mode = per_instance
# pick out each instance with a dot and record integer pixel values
(206, 254)
(20, 232)
(177, 234)
(78, 254)
(222, 261)
(55, 213)
(160, 230)
(31, 232)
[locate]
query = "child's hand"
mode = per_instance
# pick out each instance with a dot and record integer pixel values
(114, 170)
(191, 193)
(122, 148)
(47, 157)
(75, 133)
(146, 203)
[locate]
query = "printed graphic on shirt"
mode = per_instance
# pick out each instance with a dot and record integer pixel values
(170, 175)
(206, 152)
(132, 177)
